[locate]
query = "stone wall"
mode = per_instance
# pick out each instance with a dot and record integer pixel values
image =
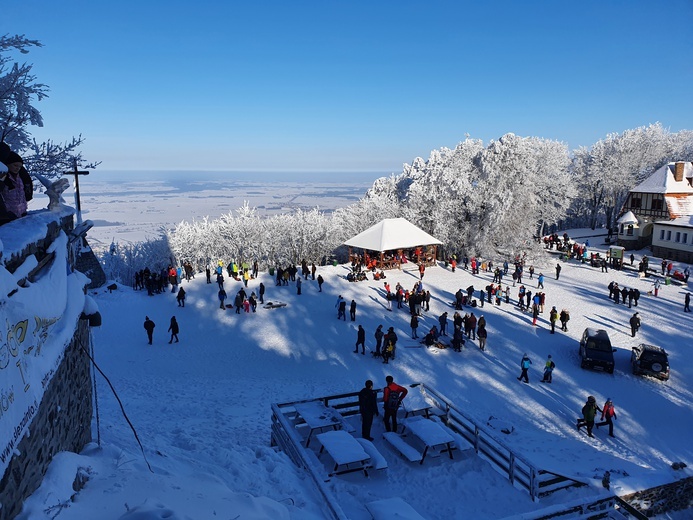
(676, 496)
(63, 423)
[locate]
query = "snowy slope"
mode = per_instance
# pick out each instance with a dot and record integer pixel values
(201, 407)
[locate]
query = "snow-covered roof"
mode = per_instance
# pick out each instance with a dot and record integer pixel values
(662, 181)
(686, 221)
(628, 218)
(679, 206)
(391, 234)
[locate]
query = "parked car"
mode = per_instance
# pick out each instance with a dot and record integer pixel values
(596, 351)
(650, 360)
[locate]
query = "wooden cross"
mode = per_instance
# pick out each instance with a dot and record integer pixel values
(77, 173)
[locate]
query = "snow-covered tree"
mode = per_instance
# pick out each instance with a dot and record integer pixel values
(19, 93)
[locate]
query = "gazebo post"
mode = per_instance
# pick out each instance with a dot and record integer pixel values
(400, 252)
(350, 257)
(382, 259)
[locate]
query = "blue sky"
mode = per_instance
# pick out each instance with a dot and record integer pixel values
(335, 86)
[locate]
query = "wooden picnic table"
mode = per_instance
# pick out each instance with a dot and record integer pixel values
(431, 434)
(346, 452)
(415, 403)
(320, 418)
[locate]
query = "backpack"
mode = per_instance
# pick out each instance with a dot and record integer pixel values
(393, 400)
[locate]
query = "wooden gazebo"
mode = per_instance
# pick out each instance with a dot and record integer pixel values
(393, 241)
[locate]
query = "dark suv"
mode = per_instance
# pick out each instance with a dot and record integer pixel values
(596, 351)
(650, 360)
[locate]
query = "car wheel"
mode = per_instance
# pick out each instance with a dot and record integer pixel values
(610, 371)
(583, 364)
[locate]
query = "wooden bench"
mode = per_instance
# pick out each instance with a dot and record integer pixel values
(407, 450)
(377, 460)
(346, 452)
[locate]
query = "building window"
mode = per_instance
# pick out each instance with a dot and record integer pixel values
(621, 230)
(657, 204)
(635, 202)
(678, 237)
(661, 235)
(685, 238)
(629, 231)
(669, 235)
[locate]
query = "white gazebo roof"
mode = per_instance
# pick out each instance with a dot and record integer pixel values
(628, 218)
(391, 234)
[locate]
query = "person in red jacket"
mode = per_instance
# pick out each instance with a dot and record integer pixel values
(392, 398)
(608, 415)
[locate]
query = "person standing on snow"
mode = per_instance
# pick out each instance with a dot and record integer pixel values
(180, 297)
(321, 280)
(548, 370)
(378, 340)
(524, 365)
(540, 281)
(149, 327)
(608, 415)
(564, 317)
(443, 320)
(222, 298)
(414, 325)
(368, 407)
(352, 310)
(634, 324)
(341, 307)
(553, 318)
(482, 334)
(173, 329)
(361, 340)
(558, 271)
(392, 398)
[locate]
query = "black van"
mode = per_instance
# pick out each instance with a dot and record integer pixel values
(596, 351)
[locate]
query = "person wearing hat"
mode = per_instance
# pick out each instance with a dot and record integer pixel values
(589, 412)
(378, 340)
(553, 318)
(634, 324)
(548, 369)
(16, 188)
(608, 415)
(11, 158)
(524, 365)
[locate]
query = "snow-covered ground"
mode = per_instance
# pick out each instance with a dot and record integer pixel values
(201, 407)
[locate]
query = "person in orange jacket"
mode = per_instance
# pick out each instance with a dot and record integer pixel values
(392, 398)
(608, 415)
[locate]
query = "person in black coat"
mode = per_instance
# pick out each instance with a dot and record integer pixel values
(352, 310)
(149, 327)
(262, 292)
(368, 407)
(634, 324)
(173, 329)
(361, 340)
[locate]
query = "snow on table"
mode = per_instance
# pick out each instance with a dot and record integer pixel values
(415, 402)
(344, 450)
(319, 418)
(431, 434)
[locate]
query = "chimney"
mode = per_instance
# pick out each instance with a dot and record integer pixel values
(678, 171)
